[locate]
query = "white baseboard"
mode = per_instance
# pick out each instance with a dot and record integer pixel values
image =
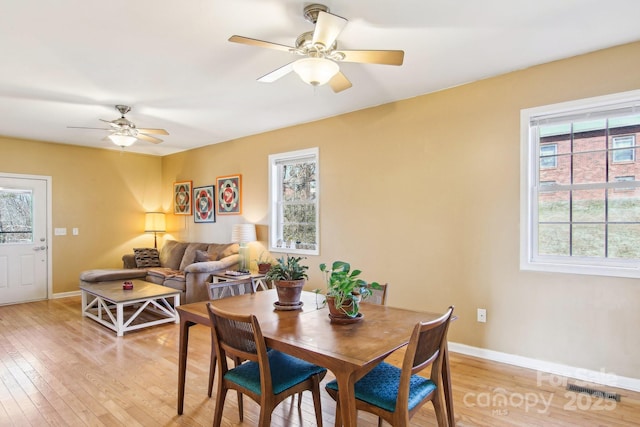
(66, 294)
(604, 378)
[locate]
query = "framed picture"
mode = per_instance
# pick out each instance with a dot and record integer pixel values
(204, 204)
(182, 198)
(229, 194)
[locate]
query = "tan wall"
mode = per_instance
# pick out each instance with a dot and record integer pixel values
(424, 194)
(103, 193)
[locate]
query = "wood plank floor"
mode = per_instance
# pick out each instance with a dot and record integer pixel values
(59, 369)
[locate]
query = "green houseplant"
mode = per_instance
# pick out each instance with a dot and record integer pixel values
(345, 290)
(288, 276)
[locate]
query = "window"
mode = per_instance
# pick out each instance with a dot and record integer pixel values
(548, 157)
(622, 179)
(580, 200)
(16, 216)
(294, 194)
(619, 152)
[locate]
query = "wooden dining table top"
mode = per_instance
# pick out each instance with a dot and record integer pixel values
(383, 329)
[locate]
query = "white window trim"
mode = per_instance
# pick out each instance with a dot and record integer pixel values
(632, 149)
(273, 200)
(528, 176)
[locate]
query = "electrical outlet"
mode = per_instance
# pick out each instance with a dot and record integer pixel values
(482, 315)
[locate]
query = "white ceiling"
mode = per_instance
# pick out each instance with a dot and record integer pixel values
(68, 62)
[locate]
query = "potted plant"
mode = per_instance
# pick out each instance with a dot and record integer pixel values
(264, 263)
(345, 290)
(288, 276)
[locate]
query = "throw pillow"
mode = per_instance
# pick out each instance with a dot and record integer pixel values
(146, 257)
(204, 256)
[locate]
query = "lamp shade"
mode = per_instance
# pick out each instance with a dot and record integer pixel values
(122, 140)
(154, 222)
(315, 71)
(243, 233)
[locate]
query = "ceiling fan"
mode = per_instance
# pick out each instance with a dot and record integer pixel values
(320, 51)
(124, 132)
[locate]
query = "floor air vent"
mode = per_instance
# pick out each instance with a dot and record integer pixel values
(594, 392)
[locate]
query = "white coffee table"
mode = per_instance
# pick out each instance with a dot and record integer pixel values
(101, 298)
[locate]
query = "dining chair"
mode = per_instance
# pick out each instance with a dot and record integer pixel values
(378, 296)
(396, 394)
(221, 290)
(267, 377)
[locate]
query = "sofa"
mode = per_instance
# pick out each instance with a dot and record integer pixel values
(185, 266)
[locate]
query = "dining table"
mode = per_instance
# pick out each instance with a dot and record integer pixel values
(348, 350)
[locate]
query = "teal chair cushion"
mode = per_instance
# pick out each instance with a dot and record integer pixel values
(380, 387)
(286, 371)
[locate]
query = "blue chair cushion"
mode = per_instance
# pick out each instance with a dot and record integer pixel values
(380, 387)
(286, 371)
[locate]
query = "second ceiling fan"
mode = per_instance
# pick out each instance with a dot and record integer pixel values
(320, 51)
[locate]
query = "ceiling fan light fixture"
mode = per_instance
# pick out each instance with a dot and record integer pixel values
(315, 71)
(122, 140)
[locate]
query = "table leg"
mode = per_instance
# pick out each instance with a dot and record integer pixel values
(176, 303)
(348, 411)
(446, 385)
(182, 361)
(119, 319)
(84, 302)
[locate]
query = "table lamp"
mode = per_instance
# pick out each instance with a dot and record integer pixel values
(243, 234)
(154, 223)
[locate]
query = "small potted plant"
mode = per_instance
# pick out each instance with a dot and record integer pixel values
(264, 263)
(288, 276)
(345, 290)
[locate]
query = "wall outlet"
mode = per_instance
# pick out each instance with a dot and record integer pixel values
(482, 315)
(75, 231)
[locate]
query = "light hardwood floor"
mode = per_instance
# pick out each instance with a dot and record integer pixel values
(59, 369)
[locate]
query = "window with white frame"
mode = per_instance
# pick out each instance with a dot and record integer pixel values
(548, 156)
(294, 201)
(574, 218)
(622, 148)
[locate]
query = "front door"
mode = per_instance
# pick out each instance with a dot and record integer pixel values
(23, 239)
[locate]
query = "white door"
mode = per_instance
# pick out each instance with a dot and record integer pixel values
(23, 239)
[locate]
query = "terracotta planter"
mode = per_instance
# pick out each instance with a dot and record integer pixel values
(264, 268)
(337, 315)
(289, 291)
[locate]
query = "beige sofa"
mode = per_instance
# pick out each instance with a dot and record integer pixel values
(185, 266)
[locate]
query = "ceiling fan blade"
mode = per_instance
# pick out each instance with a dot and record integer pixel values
(386, 57)
(259, 43)
(339, 82)
(153, 131)
(83, 127)
(148, 138)
(277, 73)
(328, 27)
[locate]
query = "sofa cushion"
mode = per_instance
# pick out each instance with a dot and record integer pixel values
(172, 253)
(146, 257)
(164, 273)
(204, 256)
(222, 250)
(190, 254)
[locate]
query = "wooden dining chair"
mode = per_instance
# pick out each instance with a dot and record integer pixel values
(396, 394)
(221, 290)
(378, 296)
(267, 377)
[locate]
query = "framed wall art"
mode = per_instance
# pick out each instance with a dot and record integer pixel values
(204, 204)
(182, 198)
(229, 194)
